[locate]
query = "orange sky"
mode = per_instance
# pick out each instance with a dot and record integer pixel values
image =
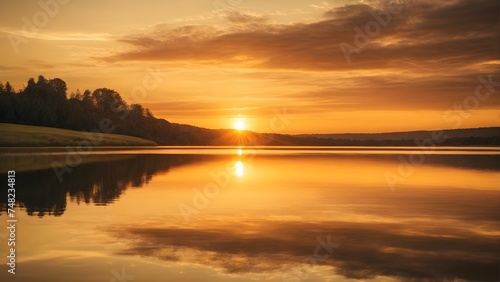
(207, 62)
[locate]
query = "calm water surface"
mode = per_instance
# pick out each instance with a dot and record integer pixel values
(255, 214)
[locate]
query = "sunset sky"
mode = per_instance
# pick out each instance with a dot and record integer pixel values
(217, 61)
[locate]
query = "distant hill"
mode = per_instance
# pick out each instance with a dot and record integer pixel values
(46, 103)
(421, 134)
(25, 135)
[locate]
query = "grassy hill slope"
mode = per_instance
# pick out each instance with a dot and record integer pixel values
(27, 135)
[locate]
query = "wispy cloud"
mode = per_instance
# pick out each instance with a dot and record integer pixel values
(428, 57)
(60, 36)
(429, 34)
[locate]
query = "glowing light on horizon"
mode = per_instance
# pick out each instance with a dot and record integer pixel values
(240, 124)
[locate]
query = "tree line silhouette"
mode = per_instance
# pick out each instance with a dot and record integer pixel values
(46, 103)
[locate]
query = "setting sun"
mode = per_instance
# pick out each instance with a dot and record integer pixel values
(240, 124)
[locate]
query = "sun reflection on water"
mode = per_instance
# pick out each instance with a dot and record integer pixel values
(239, 168)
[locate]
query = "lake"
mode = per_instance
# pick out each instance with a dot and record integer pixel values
(253, 214)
